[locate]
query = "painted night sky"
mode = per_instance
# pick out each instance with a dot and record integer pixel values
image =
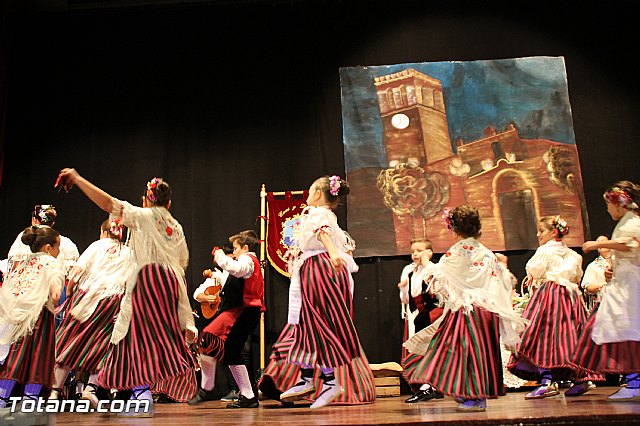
(529, 92)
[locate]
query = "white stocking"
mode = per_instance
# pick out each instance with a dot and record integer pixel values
(241, 376)
(208, 371)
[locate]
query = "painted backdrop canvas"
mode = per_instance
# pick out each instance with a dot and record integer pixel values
(496, 134)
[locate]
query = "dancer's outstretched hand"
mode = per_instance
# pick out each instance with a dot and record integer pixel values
(589, 246)
(66, 179)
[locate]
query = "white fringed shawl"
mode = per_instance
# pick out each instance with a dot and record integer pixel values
(470, 274)
(25, 291)
(100, 272)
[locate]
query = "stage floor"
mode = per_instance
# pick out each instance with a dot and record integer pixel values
(512, 409)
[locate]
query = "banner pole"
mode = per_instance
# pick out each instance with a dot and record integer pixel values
(263, 242)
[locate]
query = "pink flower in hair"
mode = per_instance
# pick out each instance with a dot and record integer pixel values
(334, 185)
(151, 189)
(447, 217)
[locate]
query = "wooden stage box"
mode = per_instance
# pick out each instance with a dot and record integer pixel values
(386, 378)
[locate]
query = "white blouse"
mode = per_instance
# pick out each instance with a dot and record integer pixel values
(313, 222)
(316, 220)
(618, 317)
(420, 273)
(594, 273)
(554, 261)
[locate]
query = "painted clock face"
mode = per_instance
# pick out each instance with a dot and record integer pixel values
(400, 121)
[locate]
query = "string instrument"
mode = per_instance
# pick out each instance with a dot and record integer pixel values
(209, 309)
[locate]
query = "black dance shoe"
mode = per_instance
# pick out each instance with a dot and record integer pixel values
(244, 402)
(203, 396)
(424, 395)
(269, 389)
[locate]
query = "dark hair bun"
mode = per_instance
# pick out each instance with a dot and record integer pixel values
(344, 188)
(466, 221)
(37, 237)
(158, 192)
(163, 193)
(29, 235)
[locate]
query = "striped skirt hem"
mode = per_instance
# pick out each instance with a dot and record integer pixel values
(356, 377)
(32, 358)
(556, 317)
(325, 335)
(82, 346)
(154, 349)
(464, 358)
(409, 365)
(180, 388)
(608, 358)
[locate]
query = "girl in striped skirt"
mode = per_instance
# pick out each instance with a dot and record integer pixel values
(148, 338)
(98, 278)
(556, 314)
(27, 301)
(320, 336)
(610, 341)
(461, 350)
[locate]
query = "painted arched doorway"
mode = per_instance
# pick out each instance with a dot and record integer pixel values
(517, 207)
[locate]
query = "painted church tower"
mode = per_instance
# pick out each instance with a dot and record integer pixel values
(414, 118)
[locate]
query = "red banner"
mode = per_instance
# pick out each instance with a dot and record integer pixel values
(283, 216)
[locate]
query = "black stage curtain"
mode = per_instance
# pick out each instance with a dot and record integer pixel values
(221, 98)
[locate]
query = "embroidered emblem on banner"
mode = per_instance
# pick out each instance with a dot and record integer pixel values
(284, 211)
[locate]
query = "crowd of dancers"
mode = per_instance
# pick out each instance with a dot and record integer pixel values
(119, 317)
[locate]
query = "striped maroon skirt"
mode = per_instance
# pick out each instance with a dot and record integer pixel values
(356, 377)
(32, 358)
(463, 358)
(409, 360)
(556, 317)
(612, 358)
(82, 346)
(179, 388)
(154, 349)
(215, 334)
(325, 335)
(410, 363)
